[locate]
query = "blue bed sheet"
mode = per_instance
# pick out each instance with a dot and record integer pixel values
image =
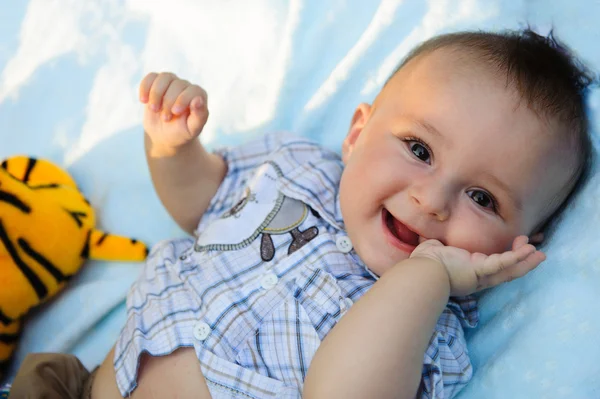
(68, 91)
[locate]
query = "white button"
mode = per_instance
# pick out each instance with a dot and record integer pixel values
(348, 302)
(201, 331)
(269, 281)
(344, 244)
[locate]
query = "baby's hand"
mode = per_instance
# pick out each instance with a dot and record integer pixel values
(469, 272)
(175, 112)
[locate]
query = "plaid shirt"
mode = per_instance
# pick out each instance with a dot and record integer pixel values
(269, 276)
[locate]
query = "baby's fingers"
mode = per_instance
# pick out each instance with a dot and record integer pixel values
(198, 115)
(519, 242)
(518, 270)
(175, 90)
(497, 262)
(145, 86)
(158, 89)
(184, 100)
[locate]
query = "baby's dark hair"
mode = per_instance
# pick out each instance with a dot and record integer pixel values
(547, 75)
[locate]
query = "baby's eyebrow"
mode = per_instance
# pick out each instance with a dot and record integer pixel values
(506, 188)
(427, 126)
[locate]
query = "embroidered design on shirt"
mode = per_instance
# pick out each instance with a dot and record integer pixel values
(237, 208)
(301, 238)
(291, 214)
(267, 249)
(262, 210)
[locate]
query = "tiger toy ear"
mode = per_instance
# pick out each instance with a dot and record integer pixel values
(47, 231)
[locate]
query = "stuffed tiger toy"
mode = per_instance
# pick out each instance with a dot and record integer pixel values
(46, 233)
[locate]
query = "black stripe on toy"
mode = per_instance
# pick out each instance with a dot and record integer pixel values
(85, 252)
(4, 364)
(51, 185)
(7, 338)
(36, 283)
(77, 216)
(101, 239)
(30, 165)
(39, 258)
(4, 319)
(14, 201)
(5, 164)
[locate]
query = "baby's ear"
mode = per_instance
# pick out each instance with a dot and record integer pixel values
(359, 119)
(536, 239)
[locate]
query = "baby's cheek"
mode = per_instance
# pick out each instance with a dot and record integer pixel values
(480, 238)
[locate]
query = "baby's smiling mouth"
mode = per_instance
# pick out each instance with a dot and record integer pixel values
(405, 238)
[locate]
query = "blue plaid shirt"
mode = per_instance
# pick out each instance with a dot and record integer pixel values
(270, 274)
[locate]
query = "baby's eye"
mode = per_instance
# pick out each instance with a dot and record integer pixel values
(483, 199)
(420, 151)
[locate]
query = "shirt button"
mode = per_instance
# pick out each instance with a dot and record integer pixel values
(269, 281)
(201, 331)
(344, 244)
(348, 302)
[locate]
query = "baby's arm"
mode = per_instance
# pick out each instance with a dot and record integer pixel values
(377, 348)
(184, 174)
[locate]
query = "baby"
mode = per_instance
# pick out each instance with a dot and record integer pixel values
(316, 276)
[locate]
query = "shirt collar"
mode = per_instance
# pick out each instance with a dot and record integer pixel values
(312, 175)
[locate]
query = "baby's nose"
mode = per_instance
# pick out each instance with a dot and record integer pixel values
(434, 206)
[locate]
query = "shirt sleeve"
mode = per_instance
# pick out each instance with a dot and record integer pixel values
(241, 162)
(447, 367)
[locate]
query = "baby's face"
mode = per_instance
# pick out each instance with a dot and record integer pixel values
(448, 152)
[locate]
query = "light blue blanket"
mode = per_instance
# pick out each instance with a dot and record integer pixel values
(68, 92)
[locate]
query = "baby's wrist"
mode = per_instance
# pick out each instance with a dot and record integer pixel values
(162, 150)
(432, 260)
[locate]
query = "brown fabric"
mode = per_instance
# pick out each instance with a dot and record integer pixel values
(87, 387)
(52, 376)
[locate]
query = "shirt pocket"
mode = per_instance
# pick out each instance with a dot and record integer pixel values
(282, 346)
(231, 380)
(285, 341)
(322, 298)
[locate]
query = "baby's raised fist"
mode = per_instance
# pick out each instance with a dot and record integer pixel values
(176, 110)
